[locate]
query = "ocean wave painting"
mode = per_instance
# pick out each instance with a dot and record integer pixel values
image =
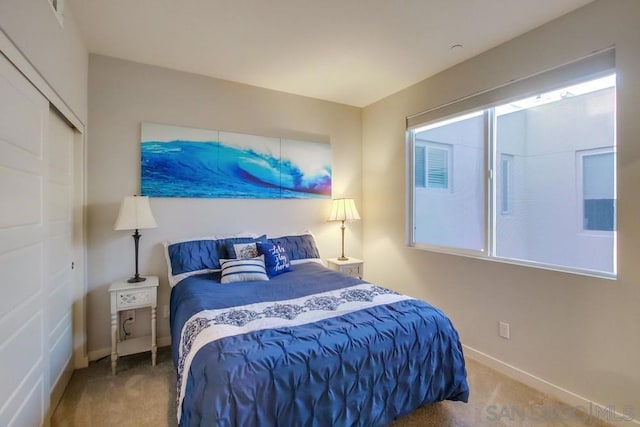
(186, 162)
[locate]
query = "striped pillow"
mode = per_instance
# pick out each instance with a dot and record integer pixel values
(243, 270)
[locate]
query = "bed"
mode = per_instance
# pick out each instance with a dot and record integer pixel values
(304, 346)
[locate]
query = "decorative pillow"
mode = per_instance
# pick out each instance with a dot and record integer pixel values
(302, 246)
(242, 270)
(245, 250)
(230, 246)
(275, 258)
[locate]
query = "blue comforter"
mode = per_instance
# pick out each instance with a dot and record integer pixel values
(363, 367)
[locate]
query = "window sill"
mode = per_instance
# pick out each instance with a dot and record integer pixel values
(531, 264)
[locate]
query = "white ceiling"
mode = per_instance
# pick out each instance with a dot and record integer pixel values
(348, 51)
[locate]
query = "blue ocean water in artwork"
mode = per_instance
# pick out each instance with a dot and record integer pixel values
(212, 169)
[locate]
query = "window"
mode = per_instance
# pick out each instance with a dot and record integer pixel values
(420, 166)
(451, 218)
(598, 190)
(438, 167)
(506, 176)
(534, 174)
(432, 165)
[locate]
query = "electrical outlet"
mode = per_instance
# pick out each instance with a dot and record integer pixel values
(505, 331)
(130, 314)
(165, 311)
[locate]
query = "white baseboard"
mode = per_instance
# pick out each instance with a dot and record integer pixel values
(59, 387)
(81, 362)
(103, 352)
(605, 413)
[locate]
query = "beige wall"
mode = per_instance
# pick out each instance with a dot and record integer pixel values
(577, 332)
(122, 95)
(58, 53)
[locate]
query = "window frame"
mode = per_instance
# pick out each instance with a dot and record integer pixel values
(599, 64)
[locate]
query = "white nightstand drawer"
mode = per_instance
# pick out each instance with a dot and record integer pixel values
(131, 299)
(352, 270)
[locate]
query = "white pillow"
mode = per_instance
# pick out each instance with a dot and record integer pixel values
(243, 270)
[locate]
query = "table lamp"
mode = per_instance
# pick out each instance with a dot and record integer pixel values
(343, 210)
(135, 214)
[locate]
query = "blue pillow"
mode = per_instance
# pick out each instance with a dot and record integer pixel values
(194, 255)
(301, 246)
(275, 258)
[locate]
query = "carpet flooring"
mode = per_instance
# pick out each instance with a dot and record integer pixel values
(142, 395)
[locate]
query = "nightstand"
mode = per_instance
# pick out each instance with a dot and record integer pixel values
(352, 267)
(131, 296)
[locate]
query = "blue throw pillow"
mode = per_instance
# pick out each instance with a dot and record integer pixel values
(301, 246)
(276, 260)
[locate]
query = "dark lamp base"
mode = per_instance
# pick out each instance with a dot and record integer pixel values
(136, 279)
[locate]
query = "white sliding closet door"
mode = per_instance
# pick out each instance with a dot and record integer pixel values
(58, 279)
(35, 251)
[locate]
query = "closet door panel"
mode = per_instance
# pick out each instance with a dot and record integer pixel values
(24, 379)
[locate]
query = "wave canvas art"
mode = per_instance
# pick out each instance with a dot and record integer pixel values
(186, 162)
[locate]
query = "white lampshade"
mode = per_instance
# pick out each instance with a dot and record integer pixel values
(135, 214)
(343, 210)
